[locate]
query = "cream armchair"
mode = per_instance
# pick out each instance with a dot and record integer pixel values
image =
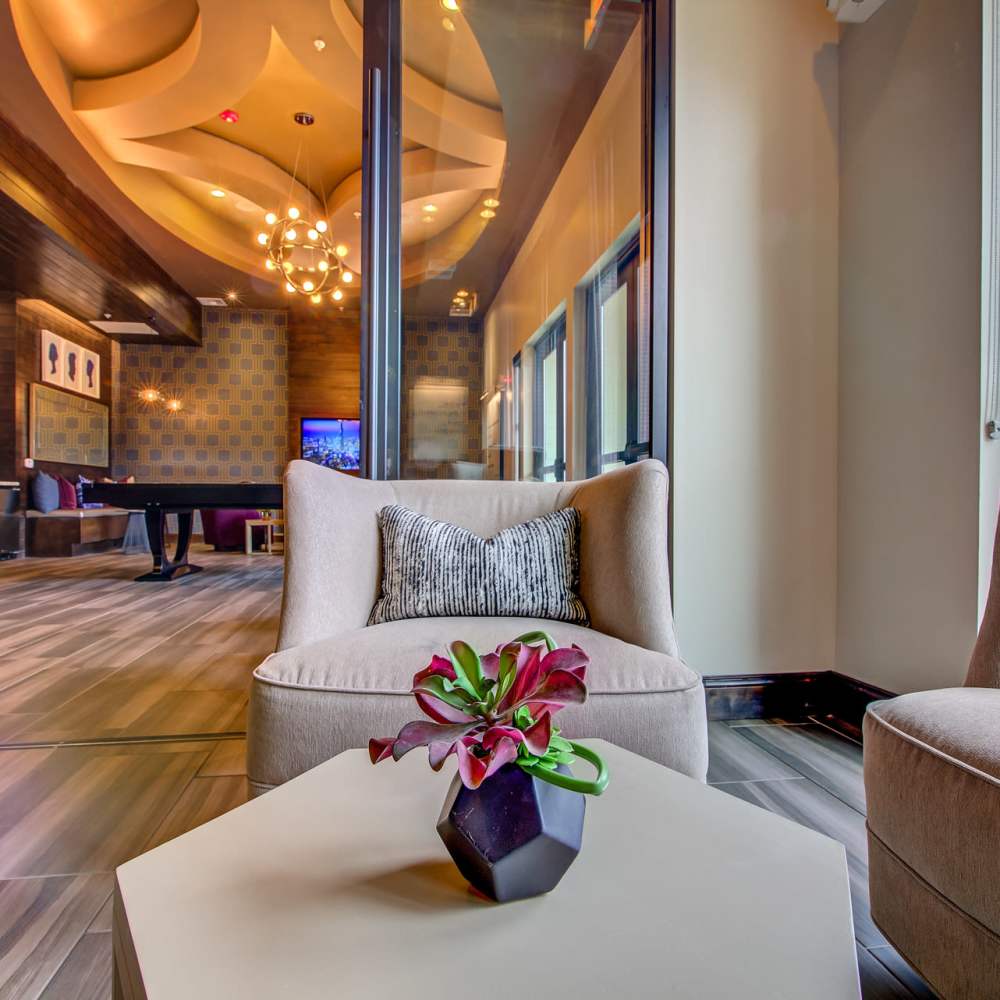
(334, 681)
(932, 783)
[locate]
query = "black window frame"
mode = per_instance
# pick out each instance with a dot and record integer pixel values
(625, 270)
(553, 340)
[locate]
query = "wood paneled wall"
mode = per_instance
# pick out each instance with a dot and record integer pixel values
(324, 369)
(33, 316)
(58, 245)
(8, 365)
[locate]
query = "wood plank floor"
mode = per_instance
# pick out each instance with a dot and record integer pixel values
(88, 654)
(812, 775)
(122, 709)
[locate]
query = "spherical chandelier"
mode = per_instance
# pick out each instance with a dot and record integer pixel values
(304, 254)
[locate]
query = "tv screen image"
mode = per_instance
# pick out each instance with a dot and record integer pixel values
(333, 443)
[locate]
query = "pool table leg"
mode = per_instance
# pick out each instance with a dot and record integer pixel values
(165, 568)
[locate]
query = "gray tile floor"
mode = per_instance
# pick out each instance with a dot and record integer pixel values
(812, 775)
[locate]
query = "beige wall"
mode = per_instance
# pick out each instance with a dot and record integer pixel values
(910, 344)
(755, 352)
(597, 195)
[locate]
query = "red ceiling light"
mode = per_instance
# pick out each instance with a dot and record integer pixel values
(229, 116)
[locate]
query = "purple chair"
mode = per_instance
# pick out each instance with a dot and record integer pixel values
(225, 529)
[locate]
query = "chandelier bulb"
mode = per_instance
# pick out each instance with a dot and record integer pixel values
(269, 264)
(313, 235)
(293, 213)
(270, 218)
(316, 299)
(291, 235)
(308, 285)
(337, 295)
(323, 266)
(289, 287)
(347, 277)
(321, 225)
(262, 239)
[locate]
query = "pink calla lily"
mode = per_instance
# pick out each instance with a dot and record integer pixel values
(493, 710)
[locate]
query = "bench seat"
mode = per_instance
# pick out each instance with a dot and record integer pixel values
(61, 533)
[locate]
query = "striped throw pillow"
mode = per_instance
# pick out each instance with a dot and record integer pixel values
(433, 569)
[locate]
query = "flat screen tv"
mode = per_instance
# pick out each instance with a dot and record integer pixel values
(333, 443)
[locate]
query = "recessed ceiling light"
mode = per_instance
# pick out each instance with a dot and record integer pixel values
(217, 193)
(487, 213)
(229, 116)
(450, 5)
(319, 44)
(430, 209)
(428, 218)
(448, 24)
(491, 203)
(461, 293)
(357, 215)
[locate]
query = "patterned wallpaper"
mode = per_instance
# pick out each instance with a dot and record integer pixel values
(233, 425)
(441, 357)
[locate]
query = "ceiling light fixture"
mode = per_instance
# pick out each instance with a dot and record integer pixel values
(229, 116)
(462, 293)
(430, 209)
(428, 218)
(217, 193)
(319, 44)
(488, 213)
(448, 24)
(174, 405)
(449, 5)
(491, 203)
(308, 258)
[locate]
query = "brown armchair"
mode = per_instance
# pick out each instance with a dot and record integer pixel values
(932, 781)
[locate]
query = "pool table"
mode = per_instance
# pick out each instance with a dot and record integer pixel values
(182, 499)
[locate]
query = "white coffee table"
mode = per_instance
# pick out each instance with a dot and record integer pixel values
(336, 885)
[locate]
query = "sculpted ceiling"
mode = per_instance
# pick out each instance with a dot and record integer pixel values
(141, 84)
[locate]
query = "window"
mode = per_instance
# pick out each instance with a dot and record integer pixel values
(548, 404)
(617, 367)
(516, 416)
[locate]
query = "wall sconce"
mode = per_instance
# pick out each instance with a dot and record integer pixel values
(151, 397)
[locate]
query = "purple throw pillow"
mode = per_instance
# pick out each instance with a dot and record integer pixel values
(67, 494)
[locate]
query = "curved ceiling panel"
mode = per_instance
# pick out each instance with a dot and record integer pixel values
(146, 80)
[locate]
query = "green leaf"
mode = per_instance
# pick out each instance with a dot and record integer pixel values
(522, 718)
(535, 637)
(468, 668)
(558, 743)
(506, 673)
(442, 689)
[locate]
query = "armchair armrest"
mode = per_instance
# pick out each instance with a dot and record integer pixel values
(333, 552)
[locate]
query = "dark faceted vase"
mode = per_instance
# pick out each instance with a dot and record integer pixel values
(515, 835)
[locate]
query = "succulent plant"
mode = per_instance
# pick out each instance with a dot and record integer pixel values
(498, 709)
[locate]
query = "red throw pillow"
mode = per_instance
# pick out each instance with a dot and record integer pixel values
(67, 494)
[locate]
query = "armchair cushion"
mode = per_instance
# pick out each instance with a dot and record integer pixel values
(315, 700)
(932, 782)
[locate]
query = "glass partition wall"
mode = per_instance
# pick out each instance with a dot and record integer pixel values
(532, 198)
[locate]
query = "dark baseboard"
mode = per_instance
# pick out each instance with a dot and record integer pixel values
(835, 699)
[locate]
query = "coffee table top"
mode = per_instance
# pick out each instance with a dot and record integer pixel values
(336, 885)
